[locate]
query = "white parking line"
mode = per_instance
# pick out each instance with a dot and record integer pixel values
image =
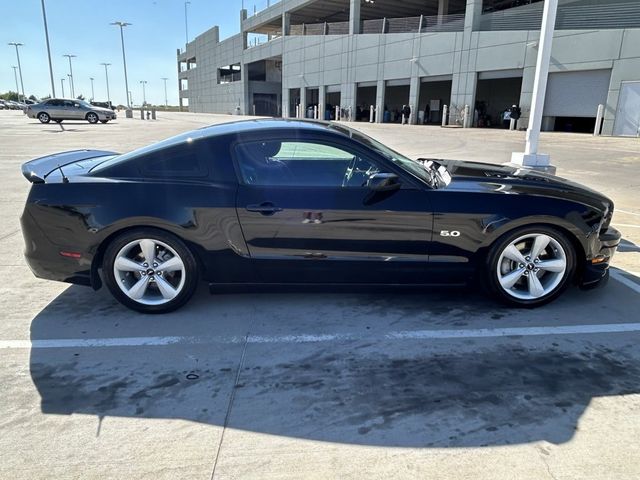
(322, 338)
(628, 212)
(619, 277)
(626, 225)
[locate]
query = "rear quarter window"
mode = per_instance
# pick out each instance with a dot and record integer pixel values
(187, 160)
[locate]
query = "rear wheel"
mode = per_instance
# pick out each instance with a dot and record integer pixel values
(44, 117)
(150, 271)
(104, 121)
(92, 117)
(530, 266)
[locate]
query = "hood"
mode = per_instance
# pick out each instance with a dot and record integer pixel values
(476, 176)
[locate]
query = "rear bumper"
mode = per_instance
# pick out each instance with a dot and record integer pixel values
(597, 268)
(44, 258)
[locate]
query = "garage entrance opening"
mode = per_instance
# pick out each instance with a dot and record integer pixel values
(396, 95)
(313, 97)
(493, 97)
(433, 96)
(333, 101)
(365, 97)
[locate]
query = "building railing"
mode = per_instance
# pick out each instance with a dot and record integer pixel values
(569, 17)
(422, 24)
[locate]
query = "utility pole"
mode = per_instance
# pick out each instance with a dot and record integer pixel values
(73, 88)
(15, 44)
(166, 102)
(124, 59)
(15, 75)
(62, 83)
(46, 36)
(186, 24)
(93, 95)
(106, 76)
(144, 95)
(531, 158)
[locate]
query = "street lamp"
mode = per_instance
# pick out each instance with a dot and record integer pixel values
(73, 88)
(166, 102)
(62, 83)
(93, 95)
(19, 67)
(186, 24)
(144, 95)
(124, 58)
(106, 75)
(15, 74)
(46, 36)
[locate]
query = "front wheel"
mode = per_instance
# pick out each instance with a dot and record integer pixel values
(92, 117)
(150, 271)
(530, 266)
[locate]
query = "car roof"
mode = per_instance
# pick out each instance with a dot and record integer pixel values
(262, 124)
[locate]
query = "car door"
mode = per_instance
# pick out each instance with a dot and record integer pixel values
(72, 110)
(54, 108)
(308, 216)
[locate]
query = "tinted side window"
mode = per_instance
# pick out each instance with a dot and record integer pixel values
(187, 160)
(302, 163)
(54, 103)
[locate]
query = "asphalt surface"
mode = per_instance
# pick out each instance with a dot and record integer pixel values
(321, 384)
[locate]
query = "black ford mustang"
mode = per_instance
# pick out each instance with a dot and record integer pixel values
(281, 202)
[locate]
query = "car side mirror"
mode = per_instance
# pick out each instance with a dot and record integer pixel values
(384, 182)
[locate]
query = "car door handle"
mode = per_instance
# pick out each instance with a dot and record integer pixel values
(265, 208)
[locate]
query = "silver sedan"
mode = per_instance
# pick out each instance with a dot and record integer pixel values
(59, 109)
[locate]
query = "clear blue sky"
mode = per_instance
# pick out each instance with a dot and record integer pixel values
(81, 27)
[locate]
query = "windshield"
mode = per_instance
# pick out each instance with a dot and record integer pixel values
(414, 167)
(84, 103)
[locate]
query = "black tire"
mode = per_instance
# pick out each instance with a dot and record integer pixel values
(44, 117)
(92, 117)
(190, 269)
(560, 282)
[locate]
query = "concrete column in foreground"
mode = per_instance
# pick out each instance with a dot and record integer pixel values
(322, 101)
(354, 17)
(286, 99)
(530, 157)
(380, 101)
(286, 23)
(303, 102)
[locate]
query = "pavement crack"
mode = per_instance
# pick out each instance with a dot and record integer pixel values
(230, 405)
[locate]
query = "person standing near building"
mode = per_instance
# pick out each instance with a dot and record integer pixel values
(406, 114)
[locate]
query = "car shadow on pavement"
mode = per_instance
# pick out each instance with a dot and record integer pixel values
(370, 389)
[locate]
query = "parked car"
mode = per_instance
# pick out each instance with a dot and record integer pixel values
(285, 201)
(59, 109)
(3, 105)
(103, 105)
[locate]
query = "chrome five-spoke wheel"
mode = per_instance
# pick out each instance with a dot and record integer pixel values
(531, 266)
(150, 271)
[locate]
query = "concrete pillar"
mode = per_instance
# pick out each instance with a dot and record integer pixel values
(285, 103)
(243, 17)
(380, 101)
(348, 99)
(286, 24)
(443, 9)
(303, 102)
(354, 17)
(322, 101)
(414, 99)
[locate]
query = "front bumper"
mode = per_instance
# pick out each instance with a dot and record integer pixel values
(597, 267)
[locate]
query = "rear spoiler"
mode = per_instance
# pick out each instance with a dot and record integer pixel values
(36, 171)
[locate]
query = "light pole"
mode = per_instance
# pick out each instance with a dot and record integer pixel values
(62, 83)
(15, 75)
(73, 88)
(93, 95)
(124, 58)
(166, 102)
(144, 95)
(46, 36)
(186, 23)
(15, 44)
(106, 76)
(531, 158)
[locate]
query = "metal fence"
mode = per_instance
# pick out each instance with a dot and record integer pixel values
(569, 17)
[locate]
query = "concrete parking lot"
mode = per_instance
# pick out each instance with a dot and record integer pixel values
(321, 384)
